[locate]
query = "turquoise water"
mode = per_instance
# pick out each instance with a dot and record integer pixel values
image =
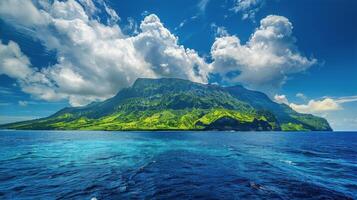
(177, 165)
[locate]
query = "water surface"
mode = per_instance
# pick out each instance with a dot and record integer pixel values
(177, 165)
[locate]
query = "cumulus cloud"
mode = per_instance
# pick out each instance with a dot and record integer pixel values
(15, 64)
(22, 12)
(248, 8)
(319, 106)
(160, 48)
(265, 60)
(324, 105)
(94, 60)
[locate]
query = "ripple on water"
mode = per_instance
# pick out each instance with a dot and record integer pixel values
(96, 165)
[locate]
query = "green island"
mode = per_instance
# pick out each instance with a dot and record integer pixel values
(176, 104)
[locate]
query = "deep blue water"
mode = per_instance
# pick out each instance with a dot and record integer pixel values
(177, 165)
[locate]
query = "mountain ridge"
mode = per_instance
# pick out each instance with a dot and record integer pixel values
(179, 104)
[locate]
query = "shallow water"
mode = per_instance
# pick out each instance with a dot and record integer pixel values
(177, 165)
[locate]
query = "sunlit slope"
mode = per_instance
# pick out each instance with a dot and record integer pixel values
(176, 104)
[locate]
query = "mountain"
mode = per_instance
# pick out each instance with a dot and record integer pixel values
(176, 104)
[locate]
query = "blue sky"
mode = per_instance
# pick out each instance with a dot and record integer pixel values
(60, 53)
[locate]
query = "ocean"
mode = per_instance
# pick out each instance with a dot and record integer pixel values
(177, 165)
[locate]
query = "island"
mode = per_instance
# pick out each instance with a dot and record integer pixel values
(177, 104)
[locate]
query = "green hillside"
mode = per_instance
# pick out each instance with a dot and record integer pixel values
(176, 104)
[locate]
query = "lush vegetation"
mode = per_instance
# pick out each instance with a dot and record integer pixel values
(185, 119)
(292, 127)
(175, 104)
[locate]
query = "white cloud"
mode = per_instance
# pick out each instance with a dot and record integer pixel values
(281, 99)
(89, 6)
(265, 61)
(219, 31)
(113, 16)
(157, 45)
(324, 105)
(248, 8)
(335, 109)
(22, 12)
(317, 106)
(94, 60)
(13, 62)
(347, 99)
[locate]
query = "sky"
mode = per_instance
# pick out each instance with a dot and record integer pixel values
(55, 54)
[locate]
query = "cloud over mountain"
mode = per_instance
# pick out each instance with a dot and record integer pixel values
(265, 60)
(95, 58)
(91, 54)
